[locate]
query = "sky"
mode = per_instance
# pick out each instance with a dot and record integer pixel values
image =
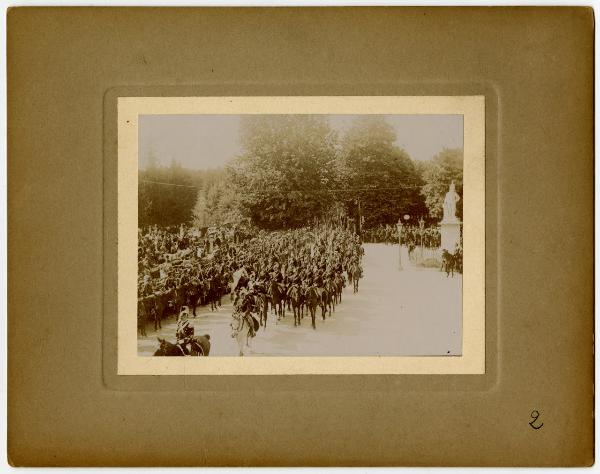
(210, 141)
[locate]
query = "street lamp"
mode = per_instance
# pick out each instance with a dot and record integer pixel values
(421, 225)
(399, 226)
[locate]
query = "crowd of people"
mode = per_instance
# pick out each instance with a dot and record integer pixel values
(412, 235)
(177, 267)
(284, 267)
(182, 268)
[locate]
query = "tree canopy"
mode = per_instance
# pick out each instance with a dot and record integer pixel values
(166, 195)
(377, 172)
(294, 169)
(284, 175)
(216, 205)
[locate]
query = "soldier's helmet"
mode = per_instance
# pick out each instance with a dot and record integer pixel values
(185, 313)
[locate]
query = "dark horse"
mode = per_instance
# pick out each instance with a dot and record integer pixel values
(168, 349)
(262, 305)
(194, 295)
(339, 283)
(199, 346)
(142, 318)
(331, 290)
(447, 263)
(180, 298)
(277, 299)
(162, 306)
(160, 310)
(295, 296)
(354, 275)
(312, 299)
(215, 292)
(324, 302)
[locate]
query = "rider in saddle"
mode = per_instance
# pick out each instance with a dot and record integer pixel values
(293, 282)
(319, 279)
(260, 285)
(244, 305)
(184, 331)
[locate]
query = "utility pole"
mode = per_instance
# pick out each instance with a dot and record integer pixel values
(359, 227)
(399, 227)
(421, 226)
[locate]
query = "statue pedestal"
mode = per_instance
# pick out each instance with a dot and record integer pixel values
(450, 233)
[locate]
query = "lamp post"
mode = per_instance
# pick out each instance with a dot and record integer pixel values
(421, 226)
(399, 226)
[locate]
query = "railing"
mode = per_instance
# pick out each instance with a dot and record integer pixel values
(427, 257)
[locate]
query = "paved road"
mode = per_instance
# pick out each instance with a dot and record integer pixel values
(416, 311)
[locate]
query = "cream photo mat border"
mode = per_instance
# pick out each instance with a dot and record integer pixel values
(472, 360)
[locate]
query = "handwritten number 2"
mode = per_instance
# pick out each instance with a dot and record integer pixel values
(535, 415)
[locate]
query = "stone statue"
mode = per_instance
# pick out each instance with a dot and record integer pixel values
(450, 204)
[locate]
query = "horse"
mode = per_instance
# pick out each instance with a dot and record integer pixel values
(312, 298)
(277, 299)
(214, 293)
(324, 302)
(141, 317)
(285, 288)
(197, 347)
(302, 299)
(200, 345)
(242, 331)
(180, 298)
(356, 276)
(458, 261)
(340, 283)
(330, 294)
(203, 290)
(262, 305)
(169, 349)
(447, 263)
(161, 305)
(194, 295)
(295, 296)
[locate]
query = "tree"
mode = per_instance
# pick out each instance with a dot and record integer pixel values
(216, 205)
(283, 177)
(439, 172)
(378, 173)
(200, 211)
(166, 195)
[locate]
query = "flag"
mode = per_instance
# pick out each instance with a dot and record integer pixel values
(239, 273)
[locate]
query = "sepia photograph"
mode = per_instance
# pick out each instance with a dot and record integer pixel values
(300, 235)
(306, 236)
(290, 235)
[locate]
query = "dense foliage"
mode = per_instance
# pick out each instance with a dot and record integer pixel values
(165, 205)
(294, 169)
(378, 173)
(284, 176)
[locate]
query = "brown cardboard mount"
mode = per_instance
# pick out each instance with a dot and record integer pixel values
(66, 404)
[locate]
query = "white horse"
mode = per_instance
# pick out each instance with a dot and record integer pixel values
(241, 331)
